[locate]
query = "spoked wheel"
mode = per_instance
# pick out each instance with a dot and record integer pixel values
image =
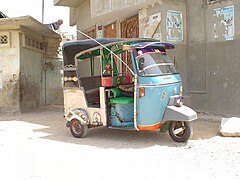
(77, 129)
(180, 131)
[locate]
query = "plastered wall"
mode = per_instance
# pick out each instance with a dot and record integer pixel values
(213, 56)
(155, 21)
(9, 69)
(207, 46)
(29, 77)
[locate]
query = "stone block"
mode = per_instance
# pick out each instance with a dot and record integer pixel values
(230, 126)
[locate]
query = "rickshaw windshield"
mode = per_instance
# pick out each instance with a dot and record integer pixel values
(155, 64)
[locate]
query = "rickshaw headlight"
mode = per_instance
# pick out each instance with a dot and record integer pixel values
(179, 101)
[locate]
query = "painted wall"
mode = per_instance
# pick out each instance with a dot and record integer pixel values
(213, 56)
(9, 69)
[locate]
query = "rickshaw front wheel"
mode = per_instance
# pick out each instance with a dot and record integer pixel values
(77, 129)
(180, 131)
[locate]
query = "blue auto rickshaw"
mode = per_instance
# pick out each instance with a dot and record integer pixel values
(128, 84)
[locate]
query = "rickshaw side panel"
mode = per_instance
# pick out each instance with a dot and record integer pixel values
(74, 99)
(151, 107)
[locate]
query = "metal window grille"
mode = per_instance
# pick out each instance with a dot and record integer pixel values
(3, 39)
(33, 43)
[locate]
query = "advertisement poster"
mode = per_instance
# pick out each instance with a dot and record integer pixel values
(225, 22)
(152, 27)
(174, 23)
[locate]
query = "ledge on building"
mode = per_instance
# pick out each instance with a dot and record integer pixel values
(27, 22)
(69, 3)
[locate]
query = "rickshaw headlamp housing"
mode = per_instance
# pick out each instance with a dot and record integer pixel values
(181, 90)
(179, 101)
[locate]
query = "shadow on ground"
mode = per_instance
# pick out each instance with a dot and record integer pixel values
(106, 138)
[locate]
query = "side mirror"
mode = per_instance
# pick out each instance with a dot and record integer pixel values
(175, 62)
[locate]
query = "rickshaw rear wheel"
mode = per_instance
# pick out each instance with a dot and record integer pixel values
(180, 131)
(77, 129)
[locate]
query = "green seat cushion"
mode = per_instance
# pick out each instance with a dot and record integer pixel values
(122, 100)
(116, 92)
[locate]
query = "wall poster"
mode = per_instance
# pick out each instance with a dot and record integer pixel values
(152, 29)
(174, 24)
(225, 22)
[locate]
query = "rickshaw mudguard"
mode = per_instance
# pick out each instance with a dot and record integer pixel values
(182, 113)
(79, 114)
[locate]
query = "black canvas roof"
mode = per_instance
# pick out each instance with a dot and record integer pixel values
(71, 48)
(2, 15)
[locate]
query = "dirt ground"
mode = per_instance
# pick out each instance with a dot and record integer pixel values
(37, 145)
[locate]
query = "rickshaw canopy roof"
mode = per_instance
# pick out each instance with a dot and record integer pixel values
(73, 48)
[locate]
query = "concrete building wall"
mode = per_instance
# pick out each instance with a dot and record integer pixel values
(30, 75)
(53, 91)
(153, 24)
(208, 53)
(213, 56)
(146, 10)
(31, 79)
(83, 17)
(109, 6)
(52, 74)
(9, 69)
(86, 15)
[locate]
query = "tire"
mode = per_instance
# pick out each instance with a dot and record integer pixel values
(182, 136)
(77, 129)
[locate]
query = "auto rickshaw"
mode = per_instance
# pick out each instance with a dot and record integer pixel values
(125, 84)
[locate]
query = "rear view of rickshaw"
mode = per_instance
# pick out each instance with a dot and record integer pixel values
(128, 84)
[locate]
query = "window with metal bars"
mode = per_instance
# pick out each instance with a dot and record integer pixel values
(33, 43)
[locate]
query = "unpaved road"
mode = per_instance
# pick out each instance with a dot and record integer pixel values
(37, 146)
